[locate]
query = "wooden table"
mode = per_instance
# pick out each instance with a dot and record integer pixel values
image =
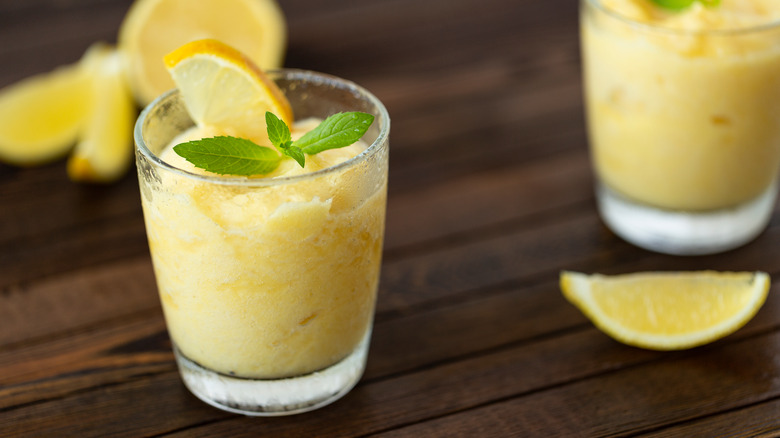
(490, 198)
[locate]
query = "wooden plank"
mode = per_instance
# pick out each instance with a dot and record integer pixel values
(484, 201)
(39, 36)
(515, 255)
(548, 376)
(57, 226)
(448, 332)
(462, 26)
(37, 194)
(131, 349)
(450, 157)
(84, 298)
(629, 401)
(758, 421)
(144, 407)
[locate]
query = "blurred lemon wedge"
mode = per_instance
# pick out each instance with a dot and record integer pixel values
(104, 151)
(224, 89)
(667, 310)
(153, 28)
(41, 116)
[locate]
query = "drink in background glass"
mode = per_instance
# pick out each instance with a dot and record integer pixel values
(268, 285)
(683, 112)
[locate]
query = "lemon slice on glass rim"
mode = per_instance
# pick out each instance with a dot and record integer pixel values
(667, 310)
(223, 89)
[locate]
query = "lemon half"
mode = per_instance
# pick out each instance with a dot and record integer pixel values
(153, 28)
(667, 310)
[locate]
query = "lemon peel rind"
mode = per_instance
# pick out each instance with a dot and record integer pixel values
(577, 288)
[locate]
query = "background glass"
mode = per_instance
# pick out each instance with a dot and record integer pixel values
(684, 129)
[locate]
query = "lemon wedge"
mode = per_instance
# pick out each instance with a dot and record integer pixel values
(153, 28)
(224, 89)
(667, 310)
(105, 148)
(41, 116)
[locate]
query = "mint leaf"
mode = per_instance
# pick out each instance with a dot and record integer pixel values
(337, 131)
(682, 4)
(295, 153)
(278, 131)
(229, 156)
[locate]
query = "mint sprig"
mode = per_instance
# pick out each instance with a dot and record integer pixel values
(225, 155)
(678, 5)
(343, 129)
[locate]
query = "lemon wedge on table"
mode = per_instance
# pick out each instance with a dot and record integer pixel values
(105, 148)
(41, 116)
(224, 89)
(667, 310)
(153, 28)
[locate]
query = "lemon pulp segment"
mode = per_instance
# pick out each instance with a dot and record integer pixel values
(664, 310)
(41, 116)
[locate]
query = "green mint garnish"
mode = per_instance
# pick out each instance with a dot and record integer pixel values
(682, 4)
(227, 155)
(341, 129)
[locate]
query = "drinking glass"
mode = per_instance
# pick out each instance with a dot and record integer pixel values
(684, 129)
(268, 285)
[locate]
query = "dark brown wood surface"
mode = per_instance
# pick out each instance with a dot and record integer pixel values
(490, 198)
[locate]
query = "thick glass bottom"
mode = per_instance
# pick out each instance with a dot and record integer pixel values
(681, 232)
(293, 395)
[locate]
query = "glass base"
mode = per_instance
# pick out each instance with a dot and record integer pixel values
(257, 397)
(681, 232)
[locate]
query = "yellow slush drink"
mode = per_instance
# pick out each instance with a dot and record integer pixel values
(684, 106)
(267, 282)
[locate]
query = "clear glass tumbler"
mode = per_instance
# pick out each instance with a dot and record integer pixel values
(684, 129)
(268, 286)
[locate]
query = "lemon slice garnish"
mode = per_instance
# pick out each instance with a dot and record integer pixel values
(41, 116)
(667, 310)
(105, 148)
(153, 28)
(224, 89)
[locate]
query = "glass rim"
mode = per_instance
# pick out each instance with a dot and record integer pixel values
(292, 74)
(735, 31)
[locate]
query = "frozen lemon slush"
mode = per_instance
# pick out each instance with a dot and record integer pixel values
(684, 107)
(269, 281)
